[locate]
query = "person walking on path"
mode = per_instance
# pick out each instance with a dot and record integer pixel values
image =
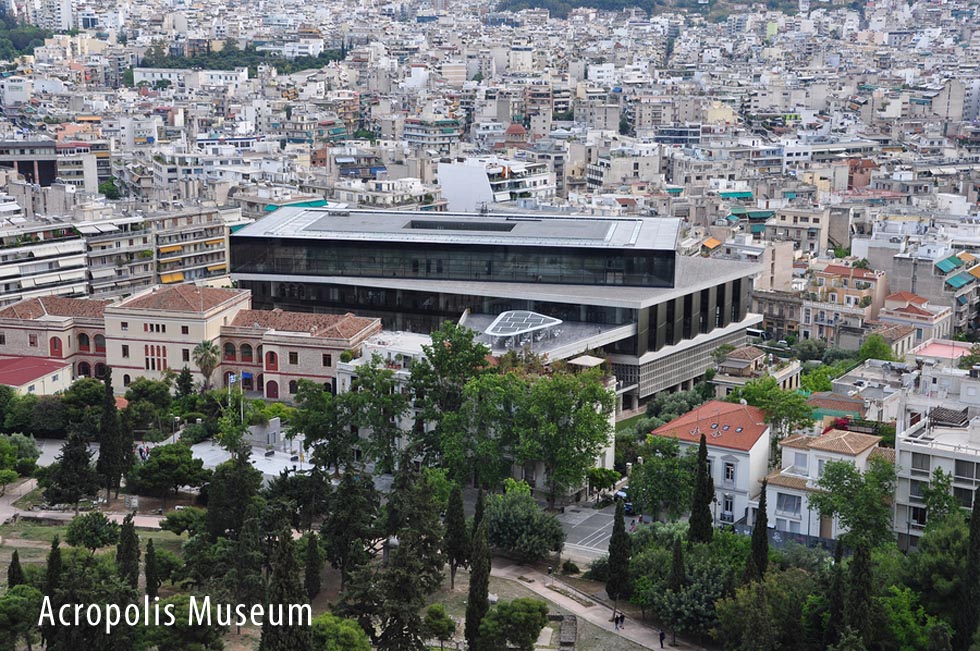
(663, 636)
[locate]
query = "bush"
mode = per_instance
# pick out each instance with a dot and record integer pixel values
(598, 570)
(569, 567)
(515, 524)
(195, 434)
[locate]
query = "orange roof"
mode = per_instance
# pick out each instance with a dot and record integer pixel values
(911, 309)
(182, 298)
(850, 272)
(35, 308)
(907, 296)
(840, 441)
(724, 424)
(711, 243)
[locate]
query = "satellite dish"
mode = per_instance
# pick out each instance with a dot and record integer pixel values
(743, 402)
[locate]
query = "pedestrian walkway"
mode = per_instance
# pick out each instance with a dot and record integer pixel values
(598, 614)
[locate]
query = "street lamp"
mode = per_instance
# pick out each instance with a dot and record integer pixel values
(714, 500)
(173, 428)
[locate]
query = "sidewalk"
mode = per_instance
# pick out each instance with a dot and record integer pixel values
(597, 614)
(8, 511)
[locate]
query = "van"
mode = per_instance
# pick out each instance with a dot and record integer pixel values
(758, 334)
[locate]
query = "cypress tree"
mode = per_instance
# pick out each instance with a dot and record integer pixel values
(456, 543)
(967, 618)
(285, 588)
(312, 567)
(114, 450)
(759, 555)
(835, 599)
(52, 575)
(128, 553)
(618, 583)
(701, 525)
(859, 592)
(678, 575)
(150, 571)
(15, 575)
(477, 603)
(478, 513)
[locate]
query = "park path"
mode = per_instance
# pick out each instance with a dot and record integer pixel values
(597, 614)
(8, 511)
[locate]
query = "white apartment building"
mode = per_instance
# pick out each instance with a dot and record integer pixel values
(469, 184)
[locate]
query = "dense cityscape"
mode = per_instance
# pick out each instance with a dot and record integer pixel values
(537, 325)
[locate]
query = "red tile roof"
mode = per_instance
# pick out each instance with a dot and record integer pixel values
(182, 298)
(907, 296)
(836, 402)
(912, 309)
(18, 371)
(724, 424)
(850, 272)
(35, 308)
(343, 326)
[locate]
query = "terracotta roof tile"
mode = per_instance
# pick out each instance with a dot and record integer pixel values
(724, 424)
(745, 352)
(343, 326)
(888, 454)
(906, 296)
(35, 308)
(182, 298)
(844, 442)
(836, 402)
(777, 478)
(850, 272)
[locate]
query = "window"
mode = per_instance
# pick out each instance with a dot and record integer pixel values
(185, 330)
(799, 461)
(728, 504)
(964, 496)
(126, 380)
(293, 357)
(964, 469)
(729, 471)
(124, 326)
(293, 386)
(31, 389)
(125, 351)
(915, 489)
(185, 355)
(917, 514)
(3, 339)
(789, 504)
(32, 340)
(920, 463)
(54, 378)
(327, 359)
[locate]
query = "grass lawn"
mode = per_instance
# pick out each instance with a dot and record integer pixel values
(628, 424)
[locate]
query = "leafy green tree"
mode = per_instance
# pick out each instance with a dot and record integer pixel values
(15, 575)
(325, 421)
(185, 383)
(72, 476)
(438, 381)
(52, 574)
(663, 483)
(477, 603)
(786, 411)
(285, 588)
(438, 625)
(128, 552)
(760, 537)
(965, 623)
(150, 571)
(206, 357)
(767, 612)
(939, 499)
(242, 577)
(168, 468)
(516, 624)
(875, 347)
(350, 526)
(938, 565)
(332, 633)
(115, 448)
(183, 635)
(618, 583)
(701, 528)
(49, 418)
(860, 501)
(189, 520)
(83, 399)
(479, 510)
(378, 405)
(601, 479)
(7, 477)
(312, 566)
(860, 592)
(305, 493)
(233, 485)
(484, 428)
(565, 426)
(110, 190)
(457, 542)
(20, 611)
(517, 525)
(92, 531)
(19, 412)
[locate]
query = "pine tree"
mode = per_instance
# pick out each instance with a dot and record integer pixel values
(760, 539)
(313, 566)
(835, 599)
(478, 603)
(185, 383)
(150, 571)
(480, 506)
(860, 592)
(967, 619)
(677, 580)
(456, 543)
(128, 553)
(618, 583)
(701, 527)
(72, 476)
(52, 575)
(115, 452)
(285, 588)
(15, 575)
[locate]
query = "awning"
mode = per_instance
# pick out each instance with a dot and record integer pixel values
(175, 277)
(761, 214)
(960, 280)
(948, 264)
(217, 267)
(217, 240)
(757, 228)
(736, 195)
(171, 249)
(962, 300)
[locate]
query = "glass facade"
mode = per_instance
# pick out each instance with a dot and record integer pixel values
(486, 263)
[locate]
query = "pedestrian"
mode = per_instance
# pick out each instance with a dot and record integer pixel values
(616, 621)
(622, 620)
(663, 636)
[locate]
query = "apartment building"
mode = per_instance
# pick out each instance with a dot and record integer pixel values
(839, 296)
(470, 184)
(120, 255)
(441, 135)
(807, 228)
(191, 244)
(40, 258)
(929, 321)
(737, 438)
(802, 463)
(748, 363)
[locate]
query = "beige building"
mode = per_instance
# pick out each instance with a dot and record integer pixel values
(839, 297)
(806, 228)
(35, 375)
